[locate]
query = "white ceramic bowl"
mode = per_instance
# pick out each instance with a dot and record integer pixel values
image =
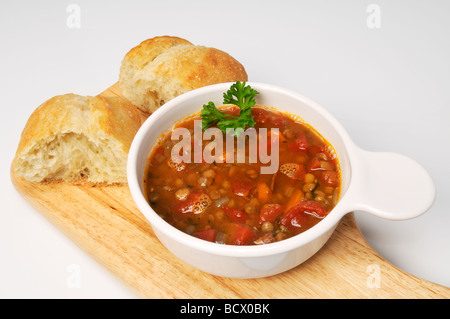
(387, 185)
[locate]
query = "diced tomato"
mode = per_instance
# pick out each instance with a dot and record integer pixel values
(295, 217)
(260, 116)
(300, 144)
(314, 165)
(331, 178)
(206, 234)
(240, 234)
(196, 203)
(314, 208)
(270, 212)
(242, 187)
(235, 215)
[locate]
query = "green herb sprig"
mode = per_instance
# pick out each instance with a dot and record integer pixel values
(239, 94)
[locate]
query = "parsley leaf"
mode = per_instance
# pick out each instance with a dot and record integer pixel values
(239, 94)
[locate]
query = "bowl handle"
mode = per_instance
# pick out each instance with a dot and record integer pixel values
(389, 185)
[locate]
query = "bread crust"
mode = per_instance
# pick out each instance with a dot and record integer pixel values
(162, 68)
(95, 118)
(139, 56)
(197, 66)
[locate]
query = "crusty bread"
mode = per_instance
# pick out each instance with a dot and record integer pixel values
(78, 139)
(162, 68)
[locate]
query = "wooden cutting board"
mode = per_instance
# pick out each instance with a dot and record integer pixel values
(105, 222)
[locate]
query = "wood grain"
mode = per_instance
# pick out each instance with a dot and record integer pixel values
(105, 222)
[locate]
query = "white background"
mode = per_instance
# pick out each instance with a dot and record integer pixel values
(389, 86)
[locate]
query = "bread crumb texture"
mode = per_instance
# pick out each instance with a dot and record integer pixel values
(79, 139)
(161, 68)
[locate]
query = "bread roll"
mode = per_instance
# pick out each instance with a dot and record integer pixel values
(162, 68)
(78, 139)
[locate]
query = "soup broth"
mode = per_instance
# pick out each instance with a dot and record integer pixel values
(235, 203)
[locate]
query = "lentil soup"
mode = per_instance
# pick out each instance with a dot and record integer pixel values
(234, 203)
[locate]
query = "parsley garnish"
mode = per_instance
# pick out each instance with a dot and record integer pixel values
(239, 94)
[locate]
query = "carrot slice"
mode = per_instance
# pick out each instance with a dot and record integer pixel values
(296, 198)
(264, 192)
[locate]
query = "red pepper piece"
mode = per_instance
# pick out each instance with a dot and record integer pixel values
(300, 144)
(240, 234)
(242, 187)
(260, 116)
(331, 178)
(314, 165)
(206, 234)
(270, 212)
(295, 217)
(235, 215)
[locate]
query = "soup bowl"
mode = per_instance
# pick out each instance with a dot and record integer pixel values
(385, 184)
